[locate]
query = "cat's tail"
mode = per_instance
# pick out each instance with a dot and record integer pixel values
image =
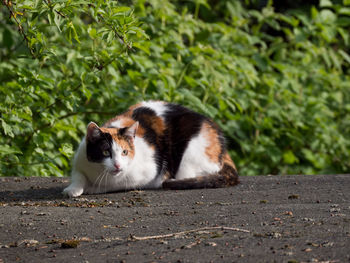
(227, 176)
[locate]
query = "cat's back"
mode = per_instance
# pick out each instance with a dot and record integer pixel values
(166, 123)
(176, 133)
(159, 118)
(160, 112)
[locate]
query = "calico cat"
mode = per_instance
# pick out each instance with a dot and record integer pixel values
(154, 144)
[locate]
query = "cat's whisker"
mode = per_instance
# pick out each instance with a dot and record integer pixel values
(93, 187)
(106, 181)
(101, 179)
(97, 179)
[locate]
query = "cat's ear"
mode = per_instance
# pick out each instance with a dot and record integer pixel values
(131, 131)
(93, 131)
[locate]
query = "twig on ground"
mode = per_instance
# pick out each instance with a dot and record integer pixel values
(189, 231)
(107, 239)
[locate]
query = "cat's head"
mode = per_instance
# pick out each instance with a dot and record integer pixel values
(112, 147)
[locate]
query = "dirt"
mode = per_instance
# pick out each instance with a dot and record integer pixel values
(264, 219)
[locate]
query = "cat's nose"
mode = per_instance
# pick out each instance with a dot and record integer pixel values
(117, 166)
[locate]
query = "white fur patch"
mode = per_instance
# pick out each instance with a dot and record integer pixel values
(116, 124)
(158, 106)
(194, 161)
(143, 169)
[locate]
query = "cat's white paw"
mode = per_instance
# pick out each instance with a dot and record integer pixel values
(73, 191)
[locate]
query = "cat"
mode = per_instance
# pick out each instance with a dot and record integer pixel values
(152, 145)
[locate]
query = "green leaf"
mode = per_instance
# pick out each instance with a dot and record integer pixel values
(67, 150)
(121, 9)
(57, 20)
(325, 3)
(144, 47)
(344, 11)
(345, 56)
(92, 32)
(6, 150)
(7, 129)
(71, 33)
(289, 157)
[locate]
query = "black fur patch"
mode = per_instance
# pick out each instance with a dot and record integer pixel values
(182, 125)
(96, 145)
(144, 116)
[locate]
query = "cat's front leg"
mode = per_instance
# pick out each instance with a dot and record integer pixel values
(78, 183)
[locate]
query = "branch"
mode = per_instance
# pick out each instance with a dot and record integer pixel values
(20, 28)
(48, 3)
(187, 232)
(120, 37)
(58, 100)
(134, 238)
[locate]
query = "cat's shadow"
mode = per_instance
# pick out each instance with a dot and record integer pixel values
(44, 194)
(32, 194)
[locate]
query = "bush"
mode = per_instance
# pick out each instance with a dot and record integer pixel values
(278, 84)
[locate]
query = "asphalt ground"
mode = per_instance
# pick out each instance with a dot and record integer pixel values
(263, 219)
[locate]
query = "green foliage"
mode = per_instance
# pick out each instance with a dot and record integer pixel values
(277, 83)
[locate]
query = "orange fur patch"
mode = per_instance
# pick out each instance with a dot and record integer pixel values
(166, 175)
(126, 115)
(133, 107)
(157, 125)
(213, 149)
(126, 121)
(228, 160)
(155, 122)
(111, 131)
(140, 132)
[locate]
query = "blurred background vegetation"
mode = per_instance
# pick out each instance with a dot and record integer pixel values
(274, 75)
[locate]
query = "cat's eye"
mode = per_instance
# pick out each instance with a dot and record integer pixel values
(125, 152)
(105, 153)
